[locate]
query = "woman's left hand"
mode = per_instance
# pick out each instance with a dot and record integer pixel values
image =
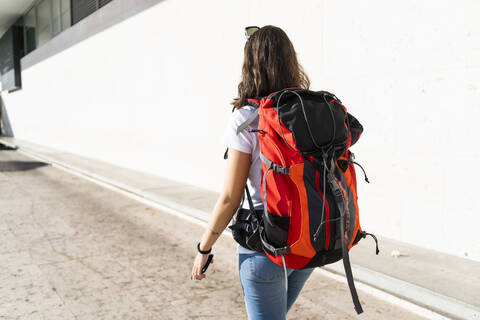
(198, 264)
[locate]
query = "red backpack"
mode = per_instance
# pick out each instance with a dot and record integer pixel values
(309, 187)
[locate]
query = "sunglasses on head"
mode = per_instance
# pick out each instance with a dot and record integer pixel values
(250, 30)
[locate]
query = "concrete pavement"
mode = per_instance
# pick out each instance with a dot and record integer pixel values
(447, 284)
(71, 249)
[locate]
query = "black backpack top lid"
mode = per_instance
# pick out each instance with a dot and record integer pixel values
(317, 120)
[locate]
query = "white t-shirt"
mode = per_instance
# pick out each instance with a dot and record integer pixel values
(247, 142)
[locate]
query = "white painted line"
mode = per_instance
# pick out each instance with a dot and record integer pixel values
(200, 218)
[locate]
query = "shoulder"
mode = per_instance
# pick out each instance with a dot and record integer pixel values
(240, 115)
(244, 140)
(243, 112)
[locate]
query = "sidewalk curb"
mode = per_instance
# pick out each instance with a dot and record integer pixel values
(418, 300)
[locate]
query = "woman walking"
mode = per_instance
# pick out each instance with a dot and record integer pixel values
(270, 64)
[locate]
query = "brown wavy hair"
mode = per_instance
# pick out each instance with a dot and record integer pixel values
(269, 64)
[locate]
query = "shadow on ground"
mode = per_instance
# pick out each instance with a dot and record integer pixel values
(5, 147)
(13, 166)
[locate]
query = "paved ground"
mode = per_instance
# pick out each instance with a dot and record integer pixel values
(450, 276)
(70, 249)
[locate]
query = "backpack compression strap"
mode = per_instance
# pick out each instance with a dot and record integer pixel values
(339, 199)
(267, 245)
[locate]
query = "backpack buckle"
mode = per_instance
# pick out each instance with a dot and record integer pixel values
(281, 251)
(351, 158)
(284, 170)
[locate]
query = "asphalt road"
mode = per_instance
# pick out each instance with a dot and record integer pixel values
(71, 249)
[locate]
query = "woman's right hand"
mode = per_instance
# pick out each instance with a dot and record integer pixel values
(238, 167)
(198, 264)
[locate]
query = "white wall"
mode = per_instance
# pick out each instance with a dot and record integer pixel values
(153, 92)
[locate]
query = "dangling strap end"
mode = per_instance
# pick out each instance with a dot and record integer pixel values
(365, 234)
(358, 310)
(364, 173)
(285, 271)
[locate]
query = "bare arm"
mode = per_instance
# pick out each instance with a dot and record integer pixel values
(238, 166)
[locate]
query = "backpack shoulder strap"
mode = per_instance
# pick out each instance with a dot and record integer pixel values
(247, 122)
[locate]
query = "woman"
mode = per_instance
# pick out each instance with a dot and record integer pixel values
(270, 64)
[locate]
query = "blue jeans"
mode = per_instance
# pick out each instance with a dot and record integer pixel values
(263, 284)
